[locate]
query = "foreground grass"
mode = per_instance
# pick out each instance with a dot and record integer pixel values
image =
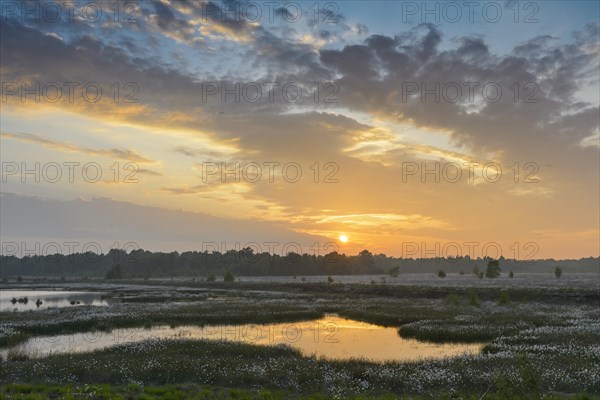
(196, 392)
(226, 364)
(539, 344)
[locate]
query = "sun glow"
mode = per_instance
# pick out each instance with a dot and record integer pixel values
(343, 238)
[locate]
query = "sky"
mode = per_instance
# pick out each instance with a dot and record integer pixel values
(413, 129)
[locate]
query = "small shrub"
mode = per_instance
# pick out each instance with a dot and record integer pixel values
(503, 300)
(441, 274)
(473, 298)
(511, 274)
(329, 279)
(493, 269)
(210, 278)
(558, 272)
(228, 277)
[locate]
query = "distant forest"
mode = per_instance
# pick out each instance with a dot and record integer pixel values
(141, 264)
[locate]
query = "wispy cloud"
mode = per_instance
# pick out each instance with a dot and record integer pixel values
(123, 154)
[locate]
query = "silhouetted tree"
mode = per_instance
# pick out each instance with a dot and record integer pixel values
(493, 269)
(557, 272)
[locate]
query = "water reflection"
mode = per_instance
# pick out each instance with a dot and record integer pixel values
(23, 300)
(330, 337)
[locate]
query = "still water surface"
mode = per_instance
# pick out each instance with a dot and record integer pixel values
(43, 299)
(329, 337)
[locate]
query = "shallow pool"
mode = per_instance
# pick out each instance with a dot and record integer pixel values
(23, 300)
(329, 337)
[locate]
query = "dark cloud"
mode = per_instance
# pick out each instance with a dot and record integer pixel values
(373, 75)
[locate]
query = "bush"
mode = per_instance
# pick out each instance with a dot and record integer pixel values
(441, 274)
(228, 277)
(210, 278)
(511, 274)
(473, 298)
(329, 279)
(503, 300)
(493, 269)
(558, 272)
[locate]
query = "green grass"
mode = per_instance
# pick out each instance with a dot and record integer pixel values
(228, 364)
(205, 392)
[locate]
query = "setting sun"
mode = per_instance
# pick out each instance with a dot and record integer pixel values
(343, 238)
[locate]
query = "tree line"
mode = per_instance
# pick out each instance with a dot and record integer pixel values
(245, 262)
